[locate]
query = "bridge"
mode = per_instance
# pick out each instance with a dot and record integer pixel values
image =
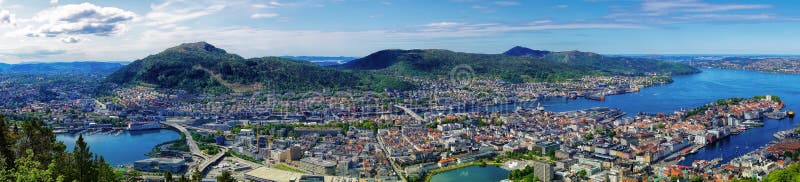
(410, 112)
(203, 167)
(193, 148)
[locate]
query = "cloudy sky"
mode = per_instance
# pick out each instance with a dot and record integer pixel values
(115, 30)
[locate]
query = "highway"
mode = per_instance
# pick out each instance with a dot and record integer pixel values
(207, 163)
(189, 140)
(194, 149)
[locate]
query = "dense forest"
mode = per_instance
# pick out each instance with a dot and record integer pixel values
(529, 66)
(619, 65)
(201, 67)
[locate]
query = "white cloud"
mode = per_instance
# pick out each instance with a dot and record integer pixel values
(174, 11)
(271, 4)
(506, 3)
(443, 24)
(264, 15)
(85, 18)
(455, 29)
(6, 18)
(562, 6)
(691, 11)
(71, 40)
(727, 17)
(53, 1)
(664, 7)
(264, 42)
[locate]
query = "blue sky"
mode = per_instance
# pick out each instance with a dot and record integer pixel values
(113, 30)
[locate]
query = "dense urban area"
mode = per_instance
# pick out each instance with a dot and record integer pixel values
(437, 121)
(397, 135)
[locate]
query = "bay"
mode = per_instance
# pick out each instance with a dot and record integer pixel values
(122, 149)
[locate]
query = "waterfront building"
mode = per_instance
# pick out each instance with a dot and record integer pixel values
(171, 165)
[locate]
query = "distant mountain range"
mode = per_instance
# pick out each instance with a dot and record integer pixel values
(103, 68)
(201, 67)
(322, 60)
(518, 64)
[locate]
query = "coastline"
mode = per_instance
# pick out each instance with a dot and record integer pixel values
(429, 175)
(156, 149)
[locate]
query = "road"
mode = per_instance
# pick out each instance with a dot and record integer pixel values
(410, 112)
(396, 168)
(193, 148)
(207, 163)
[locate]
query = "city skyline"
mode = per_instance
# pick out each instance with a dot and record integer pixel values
(50, 31)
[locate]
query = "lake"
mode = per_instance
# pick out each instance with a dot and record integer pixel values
(690, 91)
(124, 148)
(472, 173)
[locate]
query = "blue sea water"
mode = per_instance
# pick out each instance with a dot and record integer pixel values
(124, 148)
(472, 173)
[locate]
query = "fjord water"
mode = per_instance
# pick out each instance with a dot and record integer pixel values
(690, 91)
(472, 173)
(124, 148)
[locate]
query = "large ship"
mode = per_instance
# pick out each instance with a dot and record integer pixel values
(598, 96)
(134, 126)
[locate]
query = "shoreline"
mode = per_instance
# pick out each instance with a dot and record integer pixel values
(429, 175)
(153, 151)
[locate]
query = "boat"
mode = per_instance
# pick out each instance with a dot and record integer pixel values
(775, 115)
(573, 95)
(134, 126)
(597, 97)
(790, 113)
(119, 132)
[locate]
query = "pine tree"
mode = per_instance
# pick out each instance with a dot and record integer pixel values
(37, 138)
(83, 161)
(105, 172)
(5, 145)
(168, 177)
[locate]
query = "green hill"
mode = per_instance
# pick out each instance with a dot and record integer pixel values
(201, 67)
(619, 65)
(552, 66)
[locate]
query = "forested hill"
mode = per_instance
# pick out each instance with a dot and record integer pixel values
(524, 51)
(521, 65)
(619, 65)
(201, 67)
